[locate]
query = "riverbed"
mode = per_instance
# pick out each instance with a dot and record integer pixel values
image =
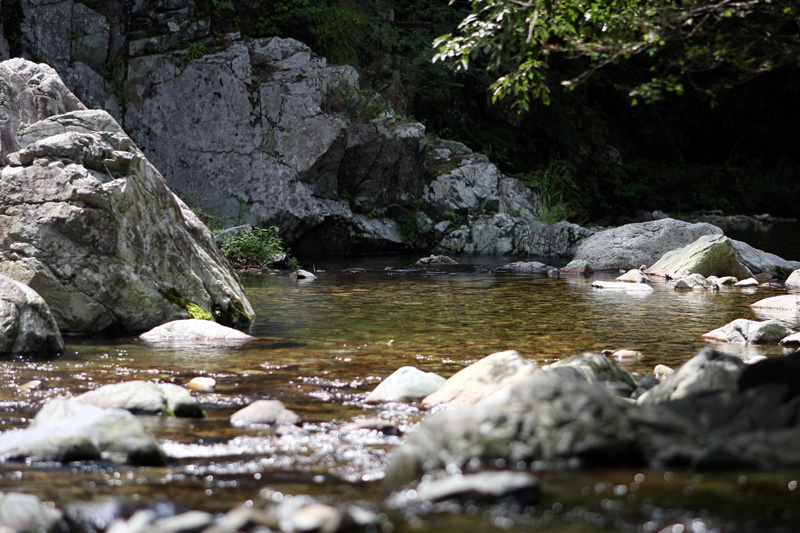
(324, 344)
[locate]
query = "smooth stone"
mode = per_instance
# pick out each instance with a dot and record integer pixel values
(691, 282)
(793, 281)
(140, 396)
(727, 280)
(594, 368)
(33, 384)
(787, 302)
(266, 412)
(791, 340)
(189, 521)
(483, 378)
(193, 329)
(749, 282)
(622, 286)
(302, 274)
(202, 384)
(374, 424)
(662, 371)
(26, 325)
(634, 275)
(488, 486)
(626, 355)
(743, 331)
(316, 517)
(406, 384)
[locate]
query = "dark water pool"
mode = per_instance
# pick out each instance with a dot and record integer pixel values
(325, 343)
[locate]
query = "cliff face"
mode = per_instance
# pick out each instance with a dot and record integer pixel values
(263, 131)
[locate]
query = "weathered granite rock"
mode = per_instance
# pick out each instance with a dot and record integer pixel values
(791, 340)
(690, 282)
(436, 260)
(25, 512)
(595, 368)
(709, 255)
(634, 245)
(193, 329)
(622, 286)
(406, 384)
(743, 331)
(267, 412)
(26, 325)
(483, 378)
(523, 266)
(709, 370)
(793, 281)
(144, 397)
(88, 223)
(67, 430)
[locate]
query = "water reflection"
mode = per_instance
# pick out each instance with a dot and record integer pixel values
(325, 344)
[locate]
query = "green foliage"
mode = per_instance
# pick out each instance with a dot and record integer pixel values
(411, 227)
(195, 50)
(677, 42)
(557, 192)
(256, 247)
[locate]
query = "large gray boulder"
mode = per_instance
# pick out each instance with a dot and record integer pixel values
(66, 430)
(709, 255)
(92, 226)
(634, 245)
(762, 263)
(26, 325)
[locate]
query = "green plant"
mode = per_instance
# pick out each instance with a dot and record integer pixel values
(453, 216)
(255, 247)
(556, 190)
(411, 227)
(340, 95)
(195, 50)
(214, 222)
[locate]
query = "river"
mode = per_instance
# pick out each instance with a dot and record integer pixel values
(325, 343)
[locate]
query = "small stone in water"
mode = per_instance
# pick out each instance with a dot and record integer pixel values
(31, 385)
(662, 371)
(202, 384)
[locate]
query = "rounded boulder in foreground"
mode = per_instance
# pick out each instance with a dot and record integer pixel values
(194, 329)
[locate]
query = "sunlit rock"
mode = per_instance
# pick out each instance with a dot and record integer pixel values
(595, 367)
(144, 397)
(690, 282)
(67, 430)
(707, 371)
(483, 378)
(749, 282)
(793, 281)
(743, 331)
(26, 325)
(265, 412)
(633, 245)
(202, 384)
(622, 286)
(789, 303)
(522, 487)
(634, 275)
(193, 329)
(709, 255)
(662, 371)
(791, 340)
(405, 384)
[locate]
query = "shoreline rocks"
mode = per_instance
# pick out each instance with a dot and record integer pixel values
(26, 325)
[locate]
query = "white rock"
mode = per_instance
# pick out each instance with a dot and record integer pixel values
(622, 286)
(405, 384)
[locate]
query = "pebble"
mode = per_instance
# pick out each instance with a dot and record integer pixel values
(202, 384)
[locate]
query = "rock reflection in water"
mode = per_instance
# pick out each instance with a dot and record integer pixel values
(326, 344)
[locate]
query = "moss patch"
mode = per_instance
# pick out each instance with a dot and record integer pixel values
(193, 309)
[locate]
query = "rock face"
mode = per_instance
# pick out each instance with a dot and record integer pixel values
(88, 223)
(26, 325)
(710, 255)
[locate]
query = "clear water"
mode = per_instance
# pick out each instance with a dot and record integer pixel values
(324, 344)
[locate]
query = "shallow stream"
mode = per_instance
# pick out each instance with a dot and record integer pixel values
(325, 343)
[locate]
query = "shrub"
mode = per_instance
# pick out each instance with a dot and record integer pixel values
(256, 247)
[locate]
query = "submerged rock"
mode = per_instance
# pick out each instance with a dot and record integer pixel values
(633, 245)
(91, 225)
(483, 378)
(743, 331)
(622, 286)
(144, 397)
(26, 325)
(709, 255)
(68, 430)
(489, 486)
(436, 260)
(405, 384)
(193, 329)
